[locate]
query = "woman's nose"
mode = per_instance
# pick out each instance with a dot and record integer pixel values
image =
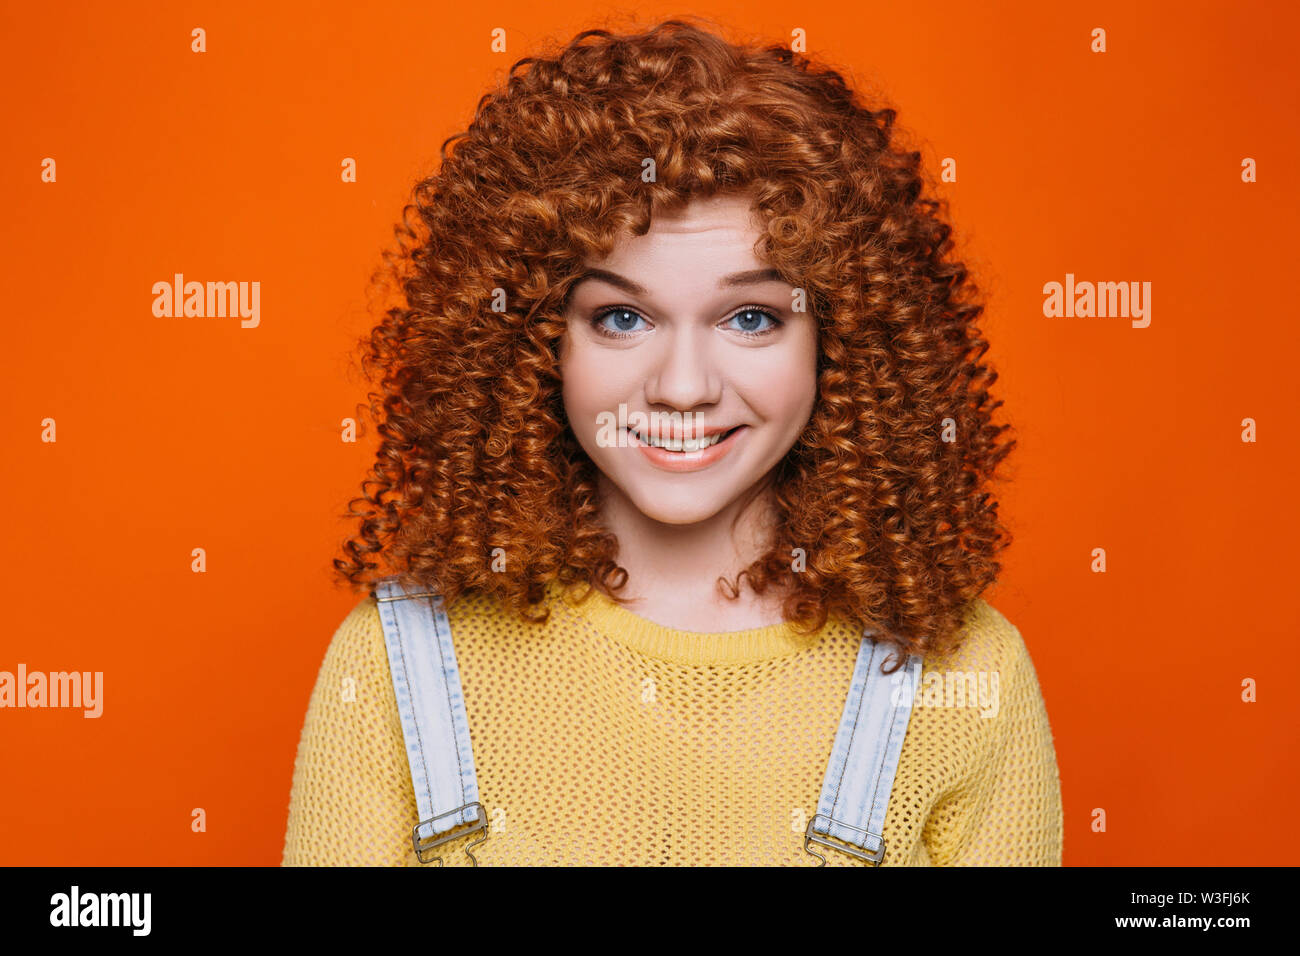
(684, 373)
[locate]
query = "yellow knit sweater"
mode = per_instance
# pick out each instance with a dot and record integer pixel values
(602, 738)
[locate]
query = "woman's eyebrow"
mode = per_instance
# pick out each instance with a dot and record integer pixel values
(750, 277)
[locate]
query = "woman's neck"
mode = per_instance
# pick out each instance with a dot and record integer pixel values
(673, 570)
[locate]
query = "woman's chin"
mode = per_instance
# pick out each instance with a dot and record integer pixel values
(677, 508)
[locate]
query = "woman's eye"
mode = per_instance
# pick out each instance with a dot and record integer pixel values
(624, 321)
(750, 321)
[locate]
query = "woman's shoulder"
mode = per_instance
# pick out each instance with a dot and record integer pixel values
(984, 691)
(986, 641)
(360, 627)
(357, 647)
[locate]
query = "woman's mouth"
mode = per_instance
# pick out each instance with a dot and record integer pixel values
(686, 445)
(687, 454)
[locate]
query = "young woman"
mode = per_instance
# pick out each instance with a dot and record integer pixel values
(682, 476)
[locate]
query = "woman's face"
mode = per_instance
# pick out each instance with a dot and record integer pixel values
(687, 320)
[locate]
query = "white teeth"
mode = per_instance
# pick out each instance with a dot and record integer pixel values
(687, 445)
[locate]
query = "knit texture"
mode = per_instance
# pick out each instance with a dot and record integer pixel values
(602, 738)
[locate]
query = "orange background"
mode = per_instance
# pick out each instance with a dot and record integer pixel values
(176, 433)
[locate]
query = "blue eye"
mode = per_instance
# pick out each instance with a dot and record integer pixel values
(744, 315)
(621, 316)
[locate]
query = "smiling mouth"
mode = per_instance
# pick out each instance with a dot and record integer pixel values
(688, 445)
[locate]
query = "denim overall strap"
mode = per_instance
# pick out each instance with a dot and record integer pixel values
(864, 757)
(426, 683)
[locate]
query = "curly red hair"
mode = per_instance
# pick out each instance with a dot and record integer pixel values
(885, 491)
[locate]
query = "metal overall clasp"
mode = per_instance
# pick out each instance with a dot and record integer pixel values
(871, 856)
(426, 846)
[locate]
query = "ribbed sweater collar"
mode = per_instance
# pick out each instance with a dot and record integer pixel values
(650, 639)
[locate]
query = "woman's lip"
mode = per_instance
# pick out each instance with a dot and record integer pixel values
(688, 461)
